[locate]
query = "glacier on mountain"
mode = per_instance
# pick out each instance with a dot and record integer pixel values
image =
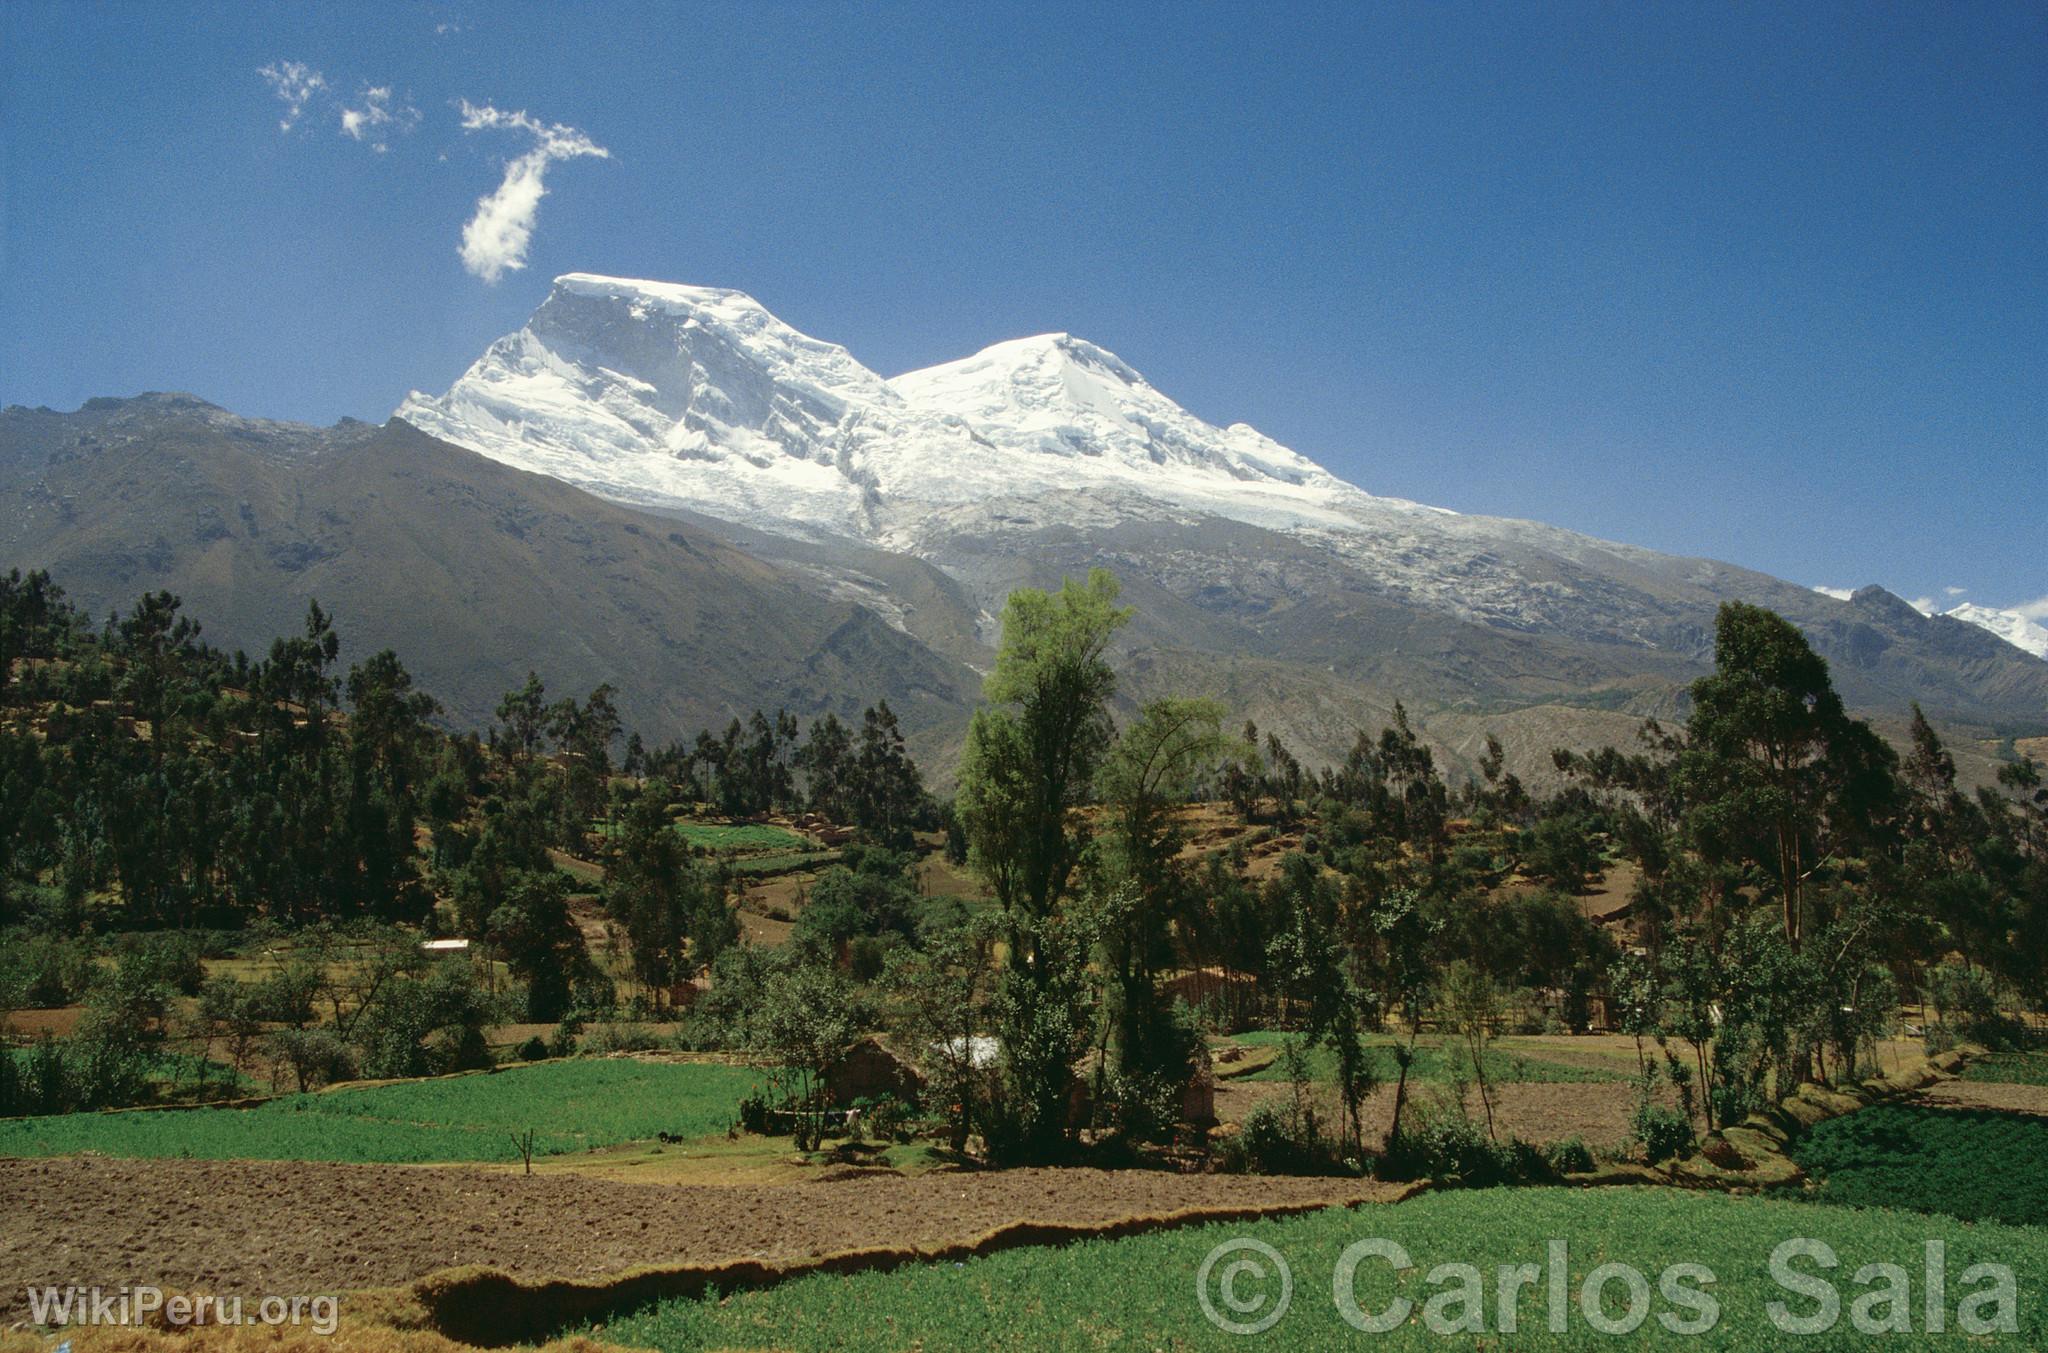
(680, 397)
(2011, 626)
(667, 395)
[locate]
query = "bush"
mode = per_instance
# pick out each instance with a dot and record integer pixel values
(315, 1057)
(1447, 1147)
(1277, 1140)
(611, 1037)
(1267, 1143)
(1663, 1131)
(169, 959)
(1570, 1156)
(1967, 1008)
(886, 1117)
(43, 972)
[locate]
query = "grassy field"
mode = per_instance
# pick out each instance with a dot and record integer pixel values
(739, 837)
(1432, 1064)
(1141, 1292)
(1974, 1164)
(570, 1105)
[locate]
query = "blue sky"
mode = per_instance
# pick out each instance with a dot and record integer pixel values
(1769, 285)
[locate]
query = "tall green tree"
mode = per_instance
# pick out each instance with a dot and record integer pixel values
(1774, 769)
(1031, 758)
(1032, 751)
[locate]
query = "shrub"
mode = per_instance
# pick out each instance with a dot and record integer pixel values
(534, 1049)
(43, 971)
(1663, 1131)
(169, 959)
(315, 1057)
(887, 1117)
(1268, 1143)
(1570, 1156)
(610, 1037)
(1966, 1004)
(1446, 1146)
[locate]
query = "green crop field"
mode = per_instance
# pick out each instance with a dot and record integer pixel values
(570, 1105)
(2009, 1068)
(1141, 1292)
(742, 836)
(1968, 1163)
(1432, 1063)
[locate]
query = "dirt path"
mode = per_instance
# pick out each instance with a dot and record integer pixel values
(299, 1228)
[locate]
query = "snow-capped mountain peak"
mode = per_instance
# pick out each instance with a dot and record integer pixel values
(1058, 395)
(699, 398)
(662, 394)
(2011, 626)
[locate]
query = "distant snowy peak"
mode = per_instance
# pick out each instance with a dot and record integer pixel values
(667, 395)
(2010, 626)
(1058, 395)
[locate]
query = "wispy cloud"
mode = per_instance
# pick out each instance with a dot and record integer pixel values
(378, 117)
(1838, 593)
(495, 239)
(295, 83)
(1954, 591)
(2036, 609)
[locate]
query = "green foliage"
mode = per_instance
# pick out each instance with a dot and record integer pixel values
(807, 1017)
(737, 836)
(43, 972)
(676, 919)
(1975, 1165)
(870, 894)
(1775, 771)
(426, 1019)
(539, 941)
(1562, 850)
(1967, 1007)
(937, 1002)
(571, 1105)
(1663, 1132)
(1449, 1147)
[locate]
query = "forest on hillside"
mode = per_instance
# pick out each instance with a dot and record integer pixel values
(227, 866)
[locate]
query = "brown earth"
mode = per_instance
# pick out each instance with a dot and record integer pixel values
(2000, 1095)
(255, 1228)
(1597, 1112)
(58, 1023)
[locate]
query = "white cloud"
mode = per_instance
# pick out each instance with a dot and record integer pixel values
(2036, 609)
(295, 83)
(495, 239)
(1955, 591)
(1924, 605)
(377, 118)
(1838, 593)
